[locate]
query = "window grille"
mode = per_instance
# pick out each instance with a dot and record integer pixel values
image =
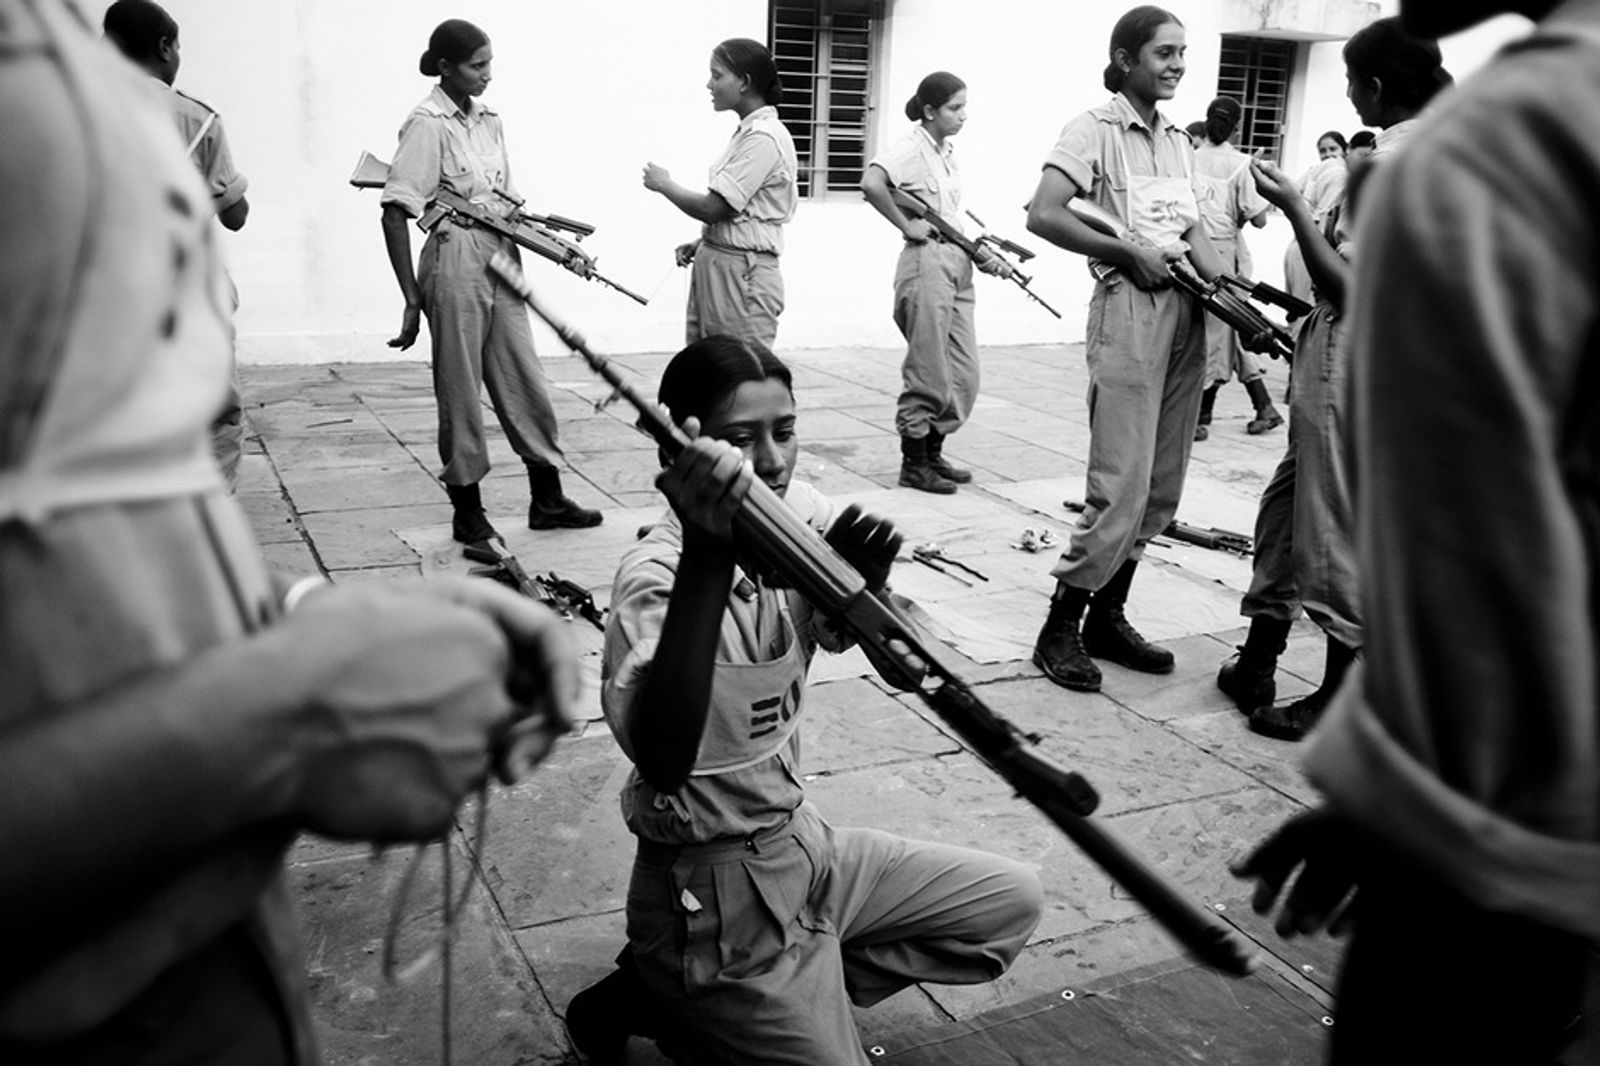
(1255, 71)
(827, 52)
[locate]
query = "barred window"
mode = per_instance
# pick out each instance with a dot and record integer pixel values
(828, 56)
(1255, 71)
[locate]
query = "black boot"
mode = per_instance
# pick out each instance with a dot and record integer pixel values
(1248, 676)
(1059, 650)
(1208, 402)
(468, 523)
(937, 460)
(916, 472)
(603, 1017)
(551, 509)
(1267, 416)
(1295, 720)
(1108, 635)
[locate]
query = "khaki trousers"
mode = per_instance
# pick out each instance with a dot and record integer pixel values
(1305, 525)
(1146, 355)
(758, 950)
(481, 339)
(933, 304)
(736, 294)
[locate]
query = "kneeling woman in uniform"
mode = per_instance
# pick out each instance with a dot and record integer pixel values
(752, 923)
(481, 338)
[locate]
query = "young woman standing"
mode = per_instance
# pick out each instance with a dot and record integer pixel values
(481, 338)
(1304, 535)
(753, 924)
(1230, 203)
(1145, 343)
(933, 296)
(735, 288)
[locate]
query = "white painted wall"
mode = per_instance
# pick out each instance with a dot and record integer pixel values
(591, 91)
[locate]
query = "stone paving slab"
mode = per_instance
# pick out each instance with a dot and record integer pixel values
(497, 1012)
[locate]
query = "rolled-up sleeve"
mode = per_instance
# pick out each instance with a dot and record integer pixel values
(226, 185)
(898, 160)
(414, 174)
(750, 165)
(638, 613)
(1076, 151)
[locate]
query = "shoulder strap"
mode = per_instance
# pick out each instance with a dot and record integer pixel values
(200, 134)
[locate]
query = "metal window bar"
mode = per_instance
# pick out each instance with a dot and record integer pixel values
(1256, 72)
(824, 52)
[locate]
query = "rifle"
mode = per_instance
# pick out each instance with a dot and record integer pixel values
(1257, 330)
(1267, 294)
(537, 233)
(575, 598)
(504, 568)
(766, 528)
(916, 207)
(1209, 537)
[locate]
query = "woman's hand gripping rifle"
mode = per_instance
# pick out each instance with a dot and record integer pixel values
(916, 662)
(1220, 297)
(915, 207)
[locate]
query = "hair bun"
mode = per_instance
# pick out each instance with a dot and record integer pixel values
(1225, 109)
(428, 64)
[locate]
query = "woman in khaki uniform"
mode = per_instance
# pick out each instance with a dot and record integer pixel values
(481, 338)
(753, 924)
(1145, 343)
(736, 288)
(933, 292)
(168, 723)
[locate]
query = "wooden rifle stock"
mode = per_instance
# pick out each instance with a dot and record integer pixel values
(780, 541)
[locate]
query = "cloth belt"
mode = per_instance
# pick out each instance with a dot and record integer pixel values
(738, 251)
(720, 850)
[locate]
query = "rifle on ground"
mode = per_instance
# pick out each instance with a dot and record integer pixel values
(537, 233)
(1256, 331)
(575, 598)
(766, 528)
(982, 250)
(503, 567)
(1208, 537)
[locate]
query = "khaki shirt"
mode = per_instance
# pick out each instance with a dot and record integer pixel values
(739, 802)
(757, 174)
(1468, 737)
(443, 147)
(201, 129)
(916, 164)
(120, 554)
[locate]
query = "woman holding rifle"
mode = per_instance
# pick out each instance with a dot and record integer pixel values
(1305, 558)
(1145, 345)
(933, 293)
(736, 288)
(752, 923)
(452, 141)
